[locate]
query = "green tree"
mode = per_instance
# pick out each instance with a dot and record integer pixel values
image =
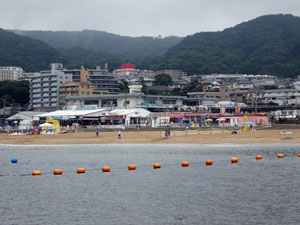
(123, 86)
(14, 92)
(163, 79)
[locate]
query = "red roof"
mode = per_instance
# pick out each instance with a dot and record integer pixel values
(127, 66)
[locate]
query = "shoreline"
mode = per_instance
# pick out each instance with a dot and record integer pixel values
(155, 137)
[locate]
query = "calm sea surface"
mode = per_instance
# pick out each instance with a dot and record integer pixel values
(250, 192)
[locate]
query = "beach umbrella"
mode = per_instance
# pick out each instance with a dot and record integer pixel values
(248, 123)
(209, 120)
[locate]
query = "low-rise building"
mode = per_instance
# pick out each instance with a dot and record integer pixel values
(126, 101)
(128, 71)
(174, 74)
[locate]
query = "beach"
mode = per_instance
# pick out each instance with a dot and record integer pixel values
(155, 137)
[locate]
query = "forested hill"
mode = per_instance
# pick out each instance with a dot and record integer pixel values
(265, 45)
(30, 54)
(105, 44)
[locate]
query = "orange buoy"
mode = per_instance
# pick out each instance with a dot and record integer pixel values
(234, 160)
(57, 172)
(209, 162)
(280, 156)
(80, 170)
(131, 167)
(156, 165)
(36, 173)
(105, 169)
(258, 157)
(185, 164)
(298, 155)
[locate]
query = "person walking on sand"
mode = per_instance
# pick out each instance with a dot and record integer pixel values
(166, 134)
(119, 134)
(97, 132)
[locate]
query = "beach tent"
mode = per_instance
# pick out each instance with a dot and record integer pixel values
(47, 126)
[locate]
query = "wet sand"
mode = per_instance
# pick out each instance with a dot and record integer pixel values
(155, 137)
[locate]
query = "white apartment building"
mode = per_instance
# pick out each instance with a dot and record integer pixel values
(44, 87)
(282, 96)
(10, 73)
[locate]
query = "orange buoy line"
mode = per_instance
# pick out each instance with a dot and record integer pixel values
(185, 164)
(208, 162)
(57, 172)
(131, 167)
(280, 156)
(258, 157)
(36, 173)
(105, 169)
(156, 165)
(234, 160)
(80, 170)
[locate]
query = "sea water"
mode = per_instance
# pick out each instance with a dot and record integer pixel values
(250, 192)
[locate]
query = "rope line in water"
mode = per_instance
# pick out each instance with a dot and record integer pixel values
(142, 166)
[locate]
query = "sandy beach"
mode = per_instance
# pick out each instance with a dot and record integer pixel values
(155, 137)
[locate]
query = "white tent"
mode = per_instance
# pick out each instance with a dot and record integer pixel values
(45, 125)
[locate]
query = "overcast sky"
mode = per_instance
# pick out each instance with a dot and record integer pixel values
(138, 17)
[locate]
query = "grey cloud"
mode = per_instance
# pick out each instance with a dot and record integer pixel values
(137, 17)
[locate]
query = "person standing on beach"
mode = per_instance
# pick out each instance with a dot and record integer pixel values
(97, 132)
(119, 134)
(166, 134)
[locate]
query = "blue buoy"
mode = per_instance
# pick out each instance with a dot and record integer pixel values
(14, 160)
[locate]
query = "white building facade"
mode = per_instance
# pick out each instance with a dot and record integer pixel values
(10, 73)
(44, 87)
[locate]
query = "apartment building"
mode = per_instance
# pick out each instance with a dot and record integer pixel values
(99, 78)
(45, 86)
(77, 89)
(282, 96)
(10, 73)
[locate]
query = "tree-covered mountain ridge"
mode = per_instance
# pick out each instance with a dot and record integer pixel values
(30, 54)
(266, 45)
(104, 44)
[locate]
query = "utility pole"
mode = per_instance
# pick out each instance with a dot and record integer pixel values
(255, 100)
(4, 103)
(125, 101)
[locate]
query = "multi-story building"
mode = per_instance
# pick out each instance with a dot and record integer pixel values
(103, 81)
(44, 87)
(257, 80)
(10, 73)
(77, 89)
(99, 78)
(221, 93)
(128, 71)
(282, 96)
(175, 74)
